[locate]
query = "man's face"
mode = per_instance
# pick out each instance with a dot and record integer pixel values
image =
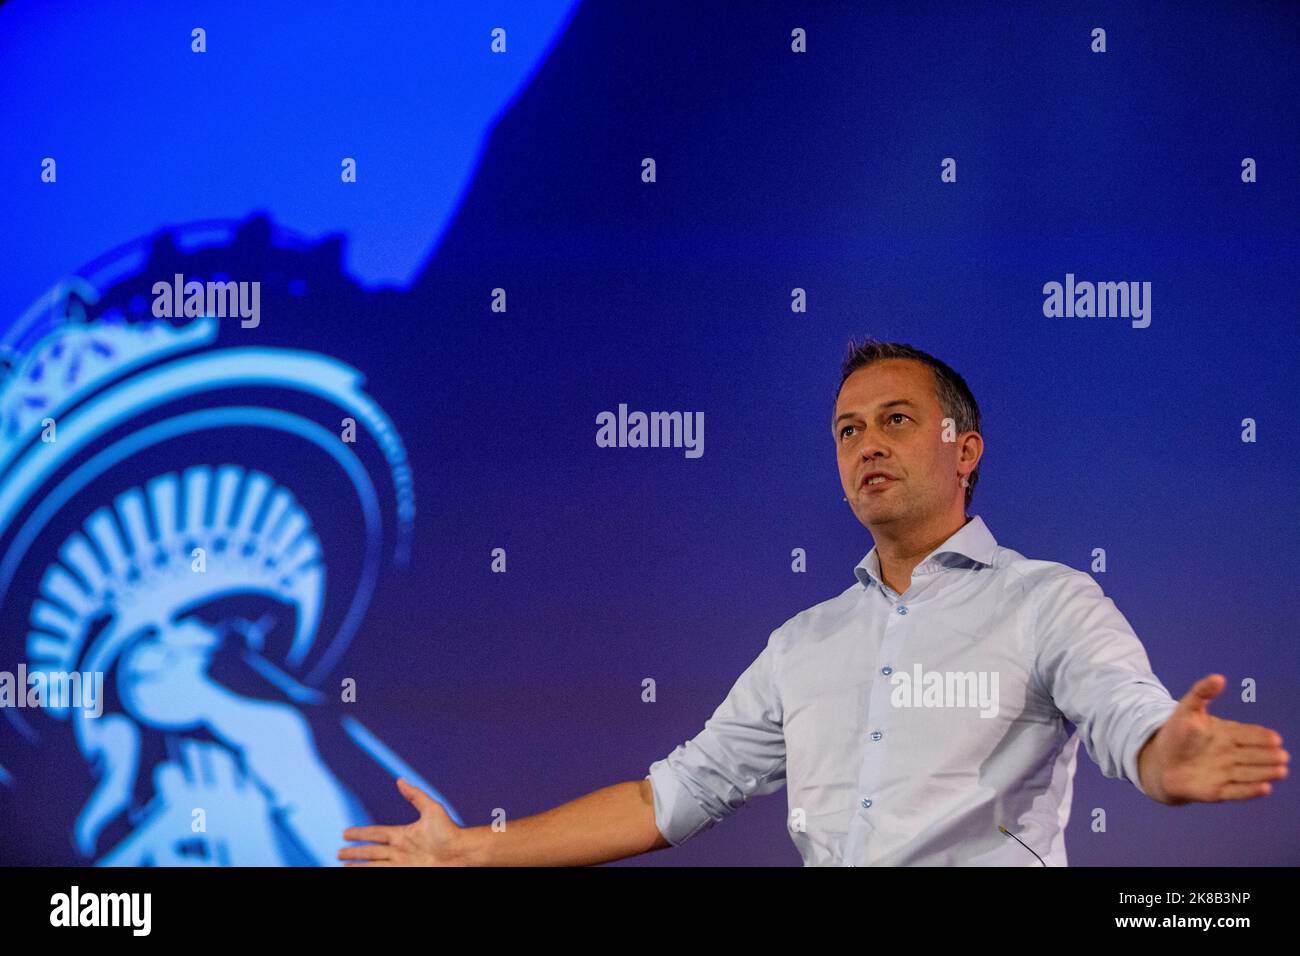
(888, 420)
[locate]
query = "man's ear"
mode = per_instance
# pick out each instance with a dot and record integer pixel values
(967, 440)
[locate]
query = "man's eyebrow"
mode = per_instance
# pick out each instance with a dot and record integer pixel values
(891, 404)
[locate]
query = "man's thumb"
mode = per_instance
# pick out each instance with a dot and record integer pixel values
(418, 798)
(1203, 691)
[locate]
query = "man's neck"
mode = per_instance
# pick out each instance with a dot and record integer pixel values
(901, 550)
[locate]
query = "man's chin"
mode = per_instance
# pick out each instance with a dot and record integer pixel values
(879, 514)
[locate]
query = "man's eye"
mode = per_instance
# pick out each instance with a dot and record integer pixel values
(843, 430)
(899, 415)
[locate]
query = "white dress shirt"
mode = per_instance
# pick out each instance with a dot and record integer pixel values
(907, 728)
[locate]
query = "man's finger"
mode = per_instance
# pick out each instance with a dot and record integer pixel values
(376, 863)
(1254, 735)
(369, 851)
(375, 834)
(1203, 691)
(1248, 773)
(418, 798)
(1245, 791)
(1261, 755)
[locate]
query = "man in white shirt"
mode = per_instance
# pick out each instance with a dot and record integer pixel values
(920, 716)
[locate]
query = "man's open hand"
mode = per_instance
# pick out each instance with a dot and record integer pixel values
(1195, 756)
(432, 840)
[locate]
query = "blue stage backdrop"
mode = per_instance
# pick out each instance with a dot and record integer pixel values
(339, 512)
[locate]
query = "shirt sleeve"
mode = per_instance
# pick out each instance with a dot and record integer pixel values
(739, 753)
(1097, 672)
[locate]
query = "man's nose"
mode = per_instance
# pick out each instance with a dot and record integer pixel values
(873, 446)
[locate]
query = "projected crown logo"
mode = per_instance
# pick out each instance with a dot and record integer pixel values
(181, 515)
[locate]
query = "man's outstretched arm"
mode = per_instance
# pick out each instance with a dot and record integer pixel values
(607, 824)
(1195, 756)
(739, 753)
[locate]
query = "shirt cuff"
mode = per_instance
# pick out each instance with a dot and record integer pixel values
(1142, 732)
(678, 815)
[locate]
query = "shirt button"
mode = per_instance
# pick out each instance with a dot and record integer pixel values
(866, 804)
(886, 670)
(902, 609)
(876, 735)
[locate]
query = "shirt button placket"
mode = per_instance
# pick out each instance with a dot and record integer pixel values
(879, 701)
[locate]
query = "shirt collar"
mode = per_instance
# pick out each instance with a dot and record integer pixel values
(971, 542)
